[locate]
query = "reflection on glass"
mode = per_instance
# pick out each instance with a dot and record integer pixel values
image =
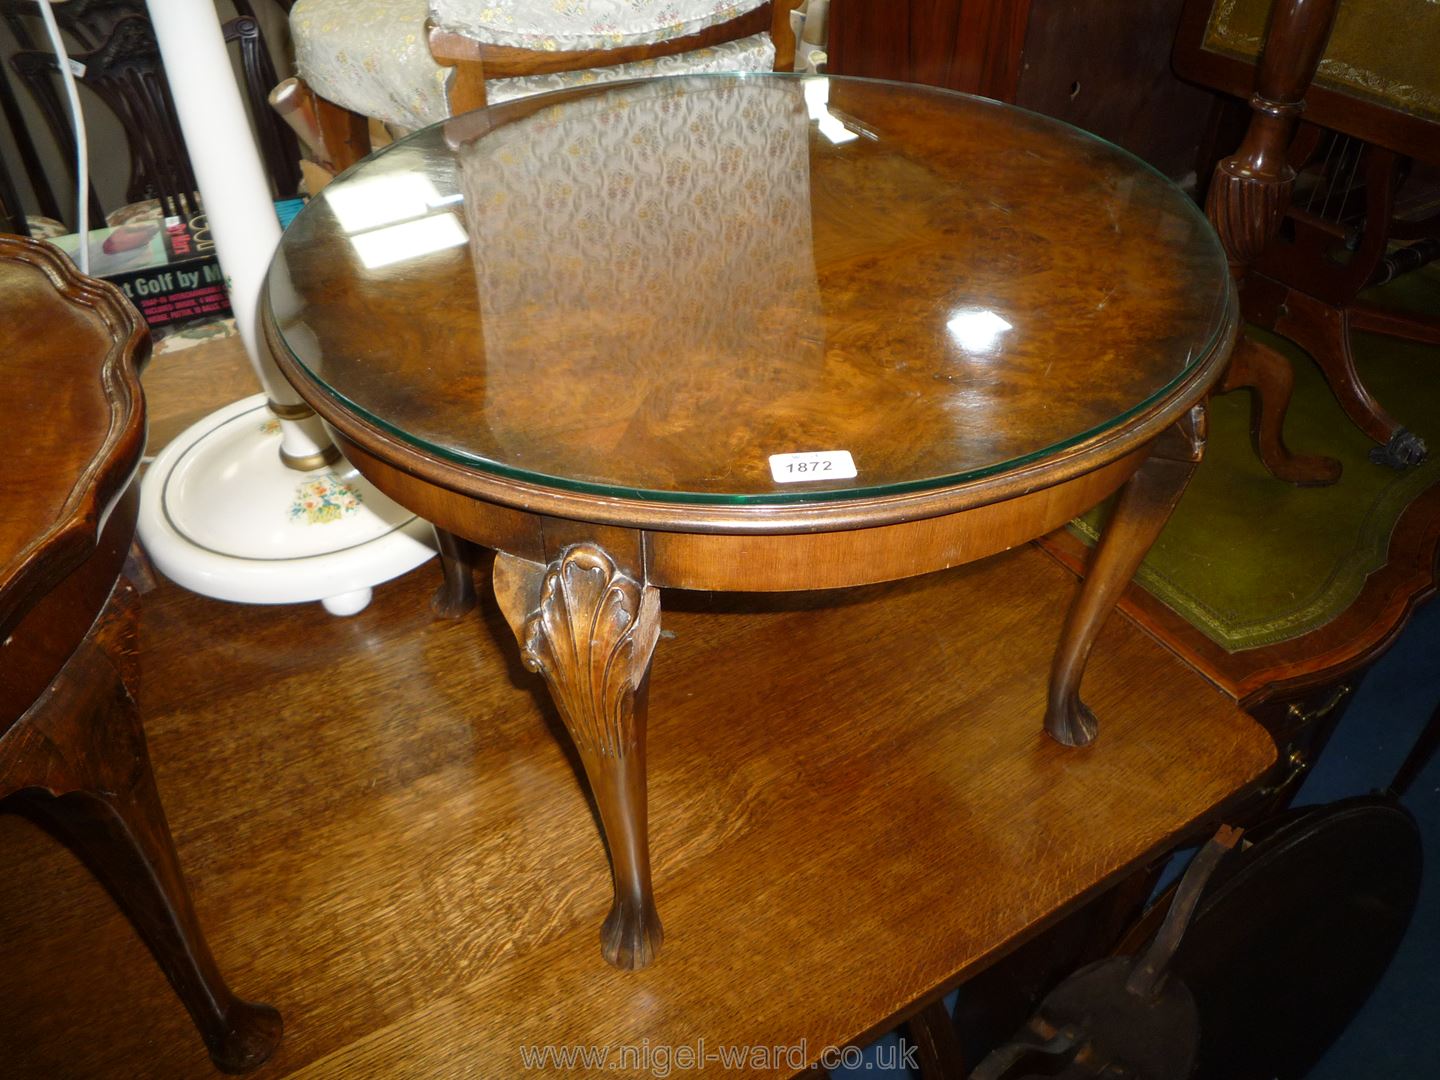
(977, 330)
(643, 253)
(413, 239)
(667, 282)
(371, 201)
(817, 103)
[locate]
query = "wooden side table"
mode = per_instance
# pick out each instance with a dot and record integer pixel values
(753, 333)
(72, 750)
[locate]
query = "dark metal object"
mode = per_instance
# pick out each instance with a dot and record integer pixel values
(1405, 259)
(1274, 953)
(1125, 1017)
(1293, 934)
(1404, 449)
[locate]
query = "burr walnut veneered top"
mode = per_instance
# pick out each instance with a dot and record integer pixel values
(70, 353)
(648, 289)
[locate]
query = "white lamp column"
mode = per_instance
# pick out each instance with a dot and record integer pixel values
(254, 503)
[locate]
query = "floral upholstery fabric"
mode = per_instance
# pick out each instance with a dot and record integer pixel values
(372, 57)
(44, 228)
(565, 25)
(686, 206)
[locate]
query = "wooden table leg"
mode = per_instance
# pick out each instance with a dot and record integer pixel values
(456, 593)
(1144, 506)
(1324, 332)
(590, 630)
(932, 1031)
(77, 765)
(1269, 374)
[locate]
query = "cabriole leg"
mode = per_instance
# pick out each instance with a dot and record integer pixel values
(1269, 374)
(1144, 506)
(77, 765)
(590, 630)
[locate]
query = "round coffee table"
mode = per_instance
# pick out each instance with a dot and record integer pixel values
(754, 332)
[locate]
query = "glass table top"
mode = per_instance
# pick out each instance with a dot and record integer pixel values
(662, 289)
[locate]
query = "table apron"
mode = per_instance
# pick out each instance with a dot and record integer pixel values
(746, 562)
(44, 639)
(843, 558)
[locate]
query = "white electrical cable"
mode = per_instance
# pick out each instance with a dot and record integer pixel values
(82, 149)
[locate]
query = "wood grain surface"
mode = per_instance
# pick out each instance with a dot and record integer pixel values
(71, 350)
(386, 837)
(969, 45)
(72, 750)
(186, 385)
(454, 48)
(638, 293)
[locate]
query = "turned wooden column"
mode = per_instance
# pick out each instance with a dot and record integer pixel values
(1251, 189)
(1249, 194)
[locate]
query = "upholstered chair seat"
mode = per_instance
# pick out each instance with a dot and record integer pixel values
(373, 57)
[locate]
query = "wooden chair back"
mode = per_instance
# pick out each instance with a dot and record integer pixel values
(124, 69)
(1375, 77)
(1302, 266)
(475, 61)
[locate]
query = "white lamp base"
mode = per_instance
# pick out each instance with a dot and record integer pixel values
(221, 515)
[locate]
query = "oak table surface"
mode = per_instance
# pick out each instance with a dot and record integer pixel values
(584, 329)
(386, 839)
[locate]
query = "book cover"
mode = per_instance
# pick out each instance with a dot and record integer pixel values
(167, 268)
